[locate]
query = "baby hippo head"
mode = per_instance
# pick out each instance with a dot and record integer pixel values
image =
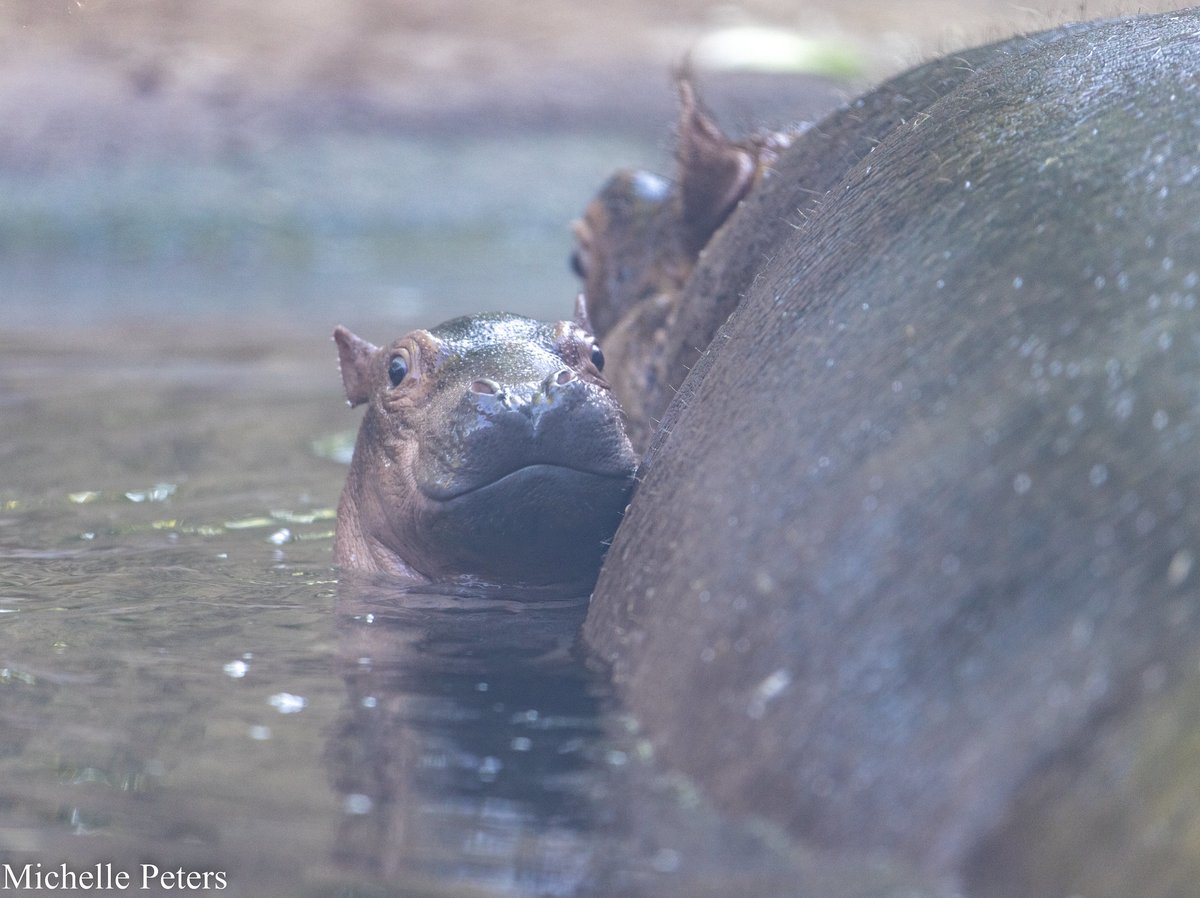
(491, 448)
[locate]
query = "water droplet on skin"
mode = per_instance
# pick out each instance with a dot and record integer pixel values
(1081, 634)
(1180, 567)
(764, 583)
(822, 786)
(1018, 283)
(1098, 475)
(286, 703)
(1160, 420)
(766, 691)
(489, 769)
(1021, 483)
(1154, 678)
(665, 861)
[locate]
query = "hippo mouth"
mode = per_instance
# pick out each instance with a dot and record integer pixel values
(538, 522)
(526, 476)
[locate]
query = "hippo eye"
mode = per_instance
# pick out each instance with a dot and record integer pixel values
(597, 357)
(397, 368)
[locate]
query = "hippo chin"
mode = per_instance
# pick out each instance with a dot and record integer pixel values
(491, 449)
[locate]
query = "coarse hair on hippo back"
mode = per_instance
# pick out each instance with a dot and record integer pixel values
(491, 449)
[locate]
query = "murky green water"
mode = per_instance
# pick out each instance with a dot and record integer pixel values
(316, 227)
(183, 682)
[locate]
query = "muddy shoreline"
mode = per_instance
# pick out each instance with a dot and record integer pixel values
(374, 160)
(107, 80)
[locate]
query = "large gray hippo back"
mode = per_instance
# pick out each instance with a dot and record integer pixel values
(913, 566)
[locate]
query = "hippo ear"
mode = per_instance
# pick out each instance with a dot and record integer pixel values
(581, 315)
(714, 172)
(354, 356)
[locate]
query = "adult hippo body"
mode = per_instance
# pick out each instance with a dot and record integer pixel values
(911, 567)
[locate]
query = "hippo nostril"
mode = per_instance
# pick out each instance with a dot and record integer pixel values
(486, 387)
(560, 378)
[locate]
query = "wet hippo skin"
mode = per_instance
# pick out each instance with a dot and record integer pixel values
(912, 568)
(490, 449)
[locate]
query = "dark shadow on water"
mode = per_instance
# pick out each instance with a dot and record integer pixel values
(470, 754)
(481, 754)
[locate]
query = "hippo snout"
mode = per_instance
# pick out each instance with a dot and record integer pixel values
(559, 421)
(559, 391)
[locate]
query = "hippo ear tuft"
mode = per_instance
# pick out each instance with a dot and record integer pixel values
(354, 357)
(581, 315)
(714, 171)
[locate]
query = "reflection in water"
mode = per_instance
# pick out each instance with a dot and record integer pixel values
(478, 755)
(471, 749)
(181, 684)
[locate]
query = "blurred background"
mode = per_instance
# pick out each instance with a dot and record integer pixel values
(192, 194)
(382, 162)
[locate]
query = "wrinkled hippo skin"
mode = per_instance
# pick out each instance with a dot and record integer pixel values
(912, 568)
(490, 449)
